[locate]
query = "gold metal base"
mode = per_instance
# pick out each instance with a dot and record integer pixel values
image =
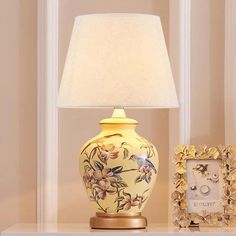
(118, 221)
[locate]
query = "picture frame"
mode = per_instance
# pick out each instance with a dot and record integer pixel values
(204, 186)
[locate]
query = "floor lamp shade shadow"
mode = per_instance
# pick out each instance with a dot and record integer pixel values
(118, 60)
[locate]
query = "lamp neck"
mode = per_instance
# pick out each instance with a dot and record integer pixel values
(118, 112)
(118, 117)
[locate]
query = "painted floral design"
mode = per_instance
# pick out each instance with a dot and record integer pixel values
(146, 173)
(88, 179)
(107, 174)
(108, 151)
(102, 188)
(102, 180)
(127, 201)
(145, 168)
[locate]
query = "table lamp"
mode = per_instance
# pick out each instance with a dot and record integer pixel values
(118, 61)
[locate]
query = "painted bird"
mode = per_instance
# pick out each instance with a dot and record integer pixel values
(143, 160)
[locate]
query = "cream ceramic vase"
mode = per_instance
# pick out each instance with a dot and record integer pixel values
(119, 169)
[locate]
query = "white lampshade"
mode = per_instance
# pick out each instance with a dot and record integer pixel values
(117, 60)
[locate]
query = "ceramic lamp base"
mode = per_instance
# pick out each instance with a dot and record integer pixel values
(118, 221)
(119, 170)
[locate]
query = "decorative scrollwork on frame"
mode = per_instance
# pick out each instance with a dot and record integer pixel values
(227, 157)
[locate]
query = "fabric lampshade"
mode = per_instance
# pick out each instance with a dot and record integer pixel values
(117, 59)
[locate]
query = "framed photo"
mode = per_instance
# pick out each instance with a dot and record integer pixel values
(205, 186)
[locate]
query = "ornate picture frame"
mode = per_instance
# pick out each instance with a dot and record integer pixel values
(222, 161)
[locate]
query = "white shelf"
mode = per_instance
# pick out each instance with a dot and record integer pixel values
(84, 230)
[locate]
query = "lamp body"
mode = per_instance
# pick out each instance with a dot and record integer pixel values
(118, 59)
(119, 169)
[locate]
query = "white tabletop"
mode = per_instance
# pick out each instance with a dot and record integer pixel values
(84, 230)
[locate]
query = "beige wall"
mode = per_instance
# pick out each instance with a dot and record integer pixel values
(77, 126)
(207, 72)
(18, 112)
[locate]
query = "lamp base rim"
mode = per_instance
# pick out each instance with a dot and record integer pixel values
(118, 221)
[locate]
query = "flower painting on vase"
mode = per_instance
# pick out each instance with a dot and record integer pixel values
(117, 178)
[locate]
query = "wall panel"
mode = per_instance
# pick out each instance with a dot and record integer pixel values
(230, 72)
(207, 72)
(18, 85)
